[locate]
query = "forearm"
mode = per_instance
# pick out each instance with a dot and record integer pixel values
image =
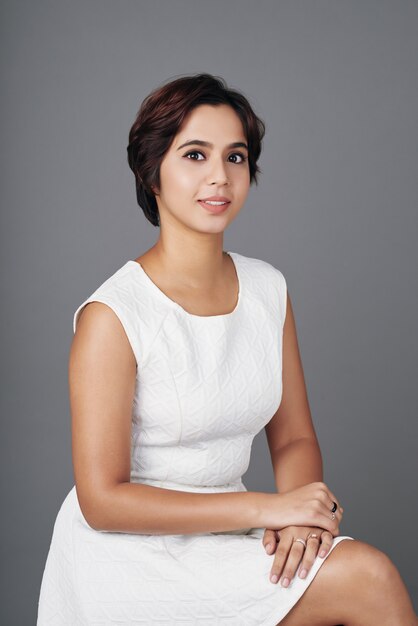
(144, 509)
(297, 464)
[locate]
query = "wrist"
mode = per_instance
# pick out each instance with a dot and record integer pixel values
(261, 506)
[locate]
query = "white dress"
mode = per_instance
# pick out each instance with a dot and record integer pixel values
(206, 385)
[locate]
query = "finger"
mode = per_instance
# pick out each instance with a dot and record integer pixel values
(333, 499)
(330, 496)
(330, 500)
(326, 543)
(330, 520)
(337, 513)
(280, 559)
(312, 545)
(269, 540)
(332, 525)
(293, 560)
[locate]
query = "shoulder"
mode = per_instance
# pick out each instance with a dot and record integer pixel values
(264, 279)
(131, 303)
(110, 319)
(258, 267)
(114, 291)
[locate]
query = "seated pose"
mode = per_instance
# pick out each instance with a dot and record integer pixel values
(178, 360)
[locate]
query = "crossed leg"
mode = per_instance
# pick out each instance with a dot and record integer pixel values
(357, 585)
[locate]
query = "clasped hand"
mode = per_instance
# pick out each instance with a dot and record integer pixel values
(288, 553)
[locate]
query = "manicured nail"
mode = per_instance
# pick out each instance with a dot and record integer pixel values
(322, 553)
(274, 578)
(285, 582)
(269, 547)
(303, 573)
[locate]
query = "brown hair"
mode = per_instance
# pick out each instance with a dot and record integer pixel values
(159, 119)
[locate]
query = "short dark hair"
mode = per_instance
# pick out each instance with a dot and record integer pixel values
(159, 119)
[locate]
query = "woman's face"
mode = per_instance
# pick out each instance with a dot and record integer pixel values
(193, 172)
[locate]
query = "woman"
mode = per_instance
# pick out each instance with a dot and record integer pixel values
(180, 358)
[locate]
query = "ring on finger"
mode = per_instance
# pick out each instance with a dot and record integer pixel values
(301, 541)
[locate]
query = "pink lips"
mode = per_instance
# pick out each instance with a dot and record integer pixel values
(216, 199)
(212, 208)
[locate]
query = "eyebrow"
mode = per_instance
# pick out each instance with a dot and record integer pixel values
(207, 144)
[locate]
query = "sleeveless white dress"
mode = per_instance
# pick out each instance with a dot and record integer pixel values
(206, 385)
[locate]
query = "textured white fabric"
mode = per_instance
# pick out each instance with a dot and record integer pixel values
(205, 386)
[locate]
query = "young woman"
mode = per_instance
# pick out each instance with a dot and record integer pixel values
(179, 359)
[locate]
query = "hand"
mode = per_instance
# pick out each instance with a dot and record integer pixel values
(310, 505)
(288, 553)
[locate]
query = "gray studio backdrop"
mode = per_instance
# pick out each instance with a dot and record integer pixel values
(335, 211)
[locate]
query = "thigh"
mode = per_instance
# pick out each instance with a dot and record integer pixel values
(341, 587)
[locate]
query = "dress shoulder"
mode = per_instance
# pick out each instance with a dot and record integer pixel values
(266, 282)
(123, 294)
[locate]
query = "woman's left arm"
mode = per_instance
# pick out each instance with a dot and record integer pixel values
(296, 459)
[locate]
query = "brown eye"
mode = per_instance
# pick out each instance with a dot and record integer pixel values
(193, 152)
(242, 157)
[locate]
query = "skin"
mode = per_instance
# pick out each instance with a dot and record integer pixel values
(188, 262)
(358, 585)
(189, 265)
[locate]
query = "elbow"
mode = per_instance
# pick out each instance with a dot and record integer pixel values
(93, 517)
(94, 524)
(92, 510)
(101, 510)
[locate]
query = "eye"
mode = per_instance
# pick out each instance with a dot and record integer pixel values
(242, 157)
(193, 152)
(235, 154)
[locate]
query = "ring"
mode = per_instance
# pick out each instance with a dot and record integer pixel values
(314, 535)
(301, 541)
(335, 506)
(333, 516)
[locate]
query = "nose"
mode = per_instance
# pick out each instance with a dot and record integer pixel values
(218, 173)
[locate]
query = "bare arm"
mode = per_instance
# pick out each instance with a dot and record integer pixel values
(294, 448)
(136, 508)
(102, 373)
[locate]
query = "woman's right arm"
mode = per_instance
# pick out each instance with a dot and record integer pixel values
(102, 375)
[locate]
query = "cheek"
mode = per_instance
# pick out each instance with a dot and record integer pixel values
(184, 181)
(181, 179)
(244, 186)
(242, 176)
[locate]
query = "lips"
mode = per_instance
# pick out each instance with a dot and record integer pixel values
(216, 199)
(215, 208)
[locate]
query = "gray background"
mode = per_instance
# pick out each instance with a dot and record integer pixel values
(335, 210)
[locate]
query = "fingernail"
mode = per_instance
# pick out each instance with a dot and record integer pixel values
(303, 573)
(285, 582)
(322, 553)
(269, 547)
(274, 578)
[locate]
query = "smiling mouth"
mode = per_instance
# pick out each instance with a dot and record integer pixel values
(214, 207)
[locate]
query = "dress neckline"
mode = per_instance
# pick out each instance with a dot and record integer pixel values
(176, 305)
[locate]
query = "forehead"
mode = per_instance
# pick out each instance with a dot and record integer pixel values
(219, 123)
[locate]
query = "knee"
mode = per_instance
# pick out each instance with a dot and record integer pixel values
(367, 562)
(379, 565)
